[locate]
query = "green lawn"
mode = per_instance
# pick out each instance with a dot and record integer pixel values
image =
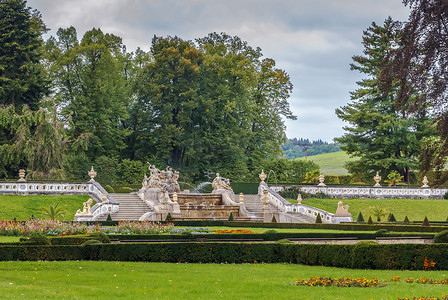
(22, 207)
(332, 163)
(415, 209)
(130, 280)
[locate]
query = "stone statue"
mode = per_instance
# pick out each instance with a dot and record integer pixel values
(166, 179)
(342, 210)
(86, 208)
(221, 183)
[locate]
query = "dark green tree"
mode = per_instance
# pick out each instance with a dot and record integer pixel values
(360, 218)
(421, 63)
(213, 105)
(92, 89)
(406, 220)
(384, 137)
(318, 219)
(22, 81)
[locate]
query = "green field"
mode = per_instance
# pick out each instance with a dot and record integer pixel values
(332, 163)
(415, 209)
(130, 280)
(22, 207)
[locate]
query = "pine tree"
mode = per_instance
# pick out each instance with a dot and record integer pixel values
(318, 218)
(426, 222)
(406, 220)
(231, 217)
(380, 134)
(169, 218)
(392, 218)
(22, 80)
(370, 221)
(360, 218)
(274, 220)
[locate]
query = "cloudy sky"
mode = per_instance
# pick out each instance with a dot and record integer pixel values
(313, 40)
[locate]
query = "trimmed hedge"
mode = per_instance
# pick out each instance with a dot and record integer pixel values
(344, 226)
(362, 255)
(269, 236)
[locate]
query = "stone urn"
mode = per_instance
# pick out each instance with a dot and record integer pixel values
(377, 179)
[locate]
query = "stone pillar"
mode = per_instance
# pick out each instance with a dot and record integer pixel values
(241, 198)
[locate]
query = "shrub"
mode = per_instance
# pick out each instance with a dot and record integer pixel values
(445, 196)
(100, 236)
(441, 237)
(169, 218)
(392, 218)
(231, 217)
(381, 232)
(360, 218)
(109, 218)
(109, 189)
(91, 242)
(406, 220)
(426, 222)
(284, 241)
(38, 239)
(318, 218)
(370, 221)
(274, 220)
(124, 190)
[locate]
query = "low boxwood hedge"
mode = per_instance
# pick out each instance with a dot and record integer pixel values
(269, 236)
(362, 255)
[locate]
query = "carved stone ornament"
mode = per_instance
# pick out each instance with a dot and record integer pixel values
(425, 182)
(342, 210)
(21, 175)
(86, 208)
(92, 174)
(221, 183)
(241, 198)
(321, 180)
(166, 179)
(299, 199)
(262, 176)
(377, 179)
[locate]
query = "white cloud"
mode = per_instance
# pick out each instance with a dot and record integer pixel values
(312, 40)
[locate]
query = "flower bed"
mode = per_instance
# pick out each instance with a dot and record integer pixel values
(59, 228)
(341, 282)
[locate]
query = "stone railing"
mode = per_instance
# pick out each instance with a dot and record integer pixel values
(286, 207)
(91, 188)
(344, 192)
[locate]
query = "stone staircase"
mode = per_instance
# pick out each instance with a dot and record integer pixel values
(254, 206)
(131, 207)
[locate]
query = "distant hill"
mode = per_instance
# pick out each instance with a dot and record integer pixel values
(332, 163)
(296, 148)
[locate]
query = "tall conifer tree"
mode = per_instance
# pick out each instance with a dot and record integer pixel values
(384, 137)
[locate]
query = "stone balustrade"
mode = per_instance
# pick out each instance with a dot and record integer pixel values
(344, 192)
(286, 207)
(91, 188)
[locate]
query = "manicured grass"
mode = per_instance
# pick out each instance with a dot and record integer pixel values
(9, 239)
(111, 280)
(332, 163)
(22, 207)
(415, 209)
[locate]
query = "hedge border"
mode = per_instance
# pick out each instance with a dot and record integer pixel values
(342, 226)
(363, 255)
